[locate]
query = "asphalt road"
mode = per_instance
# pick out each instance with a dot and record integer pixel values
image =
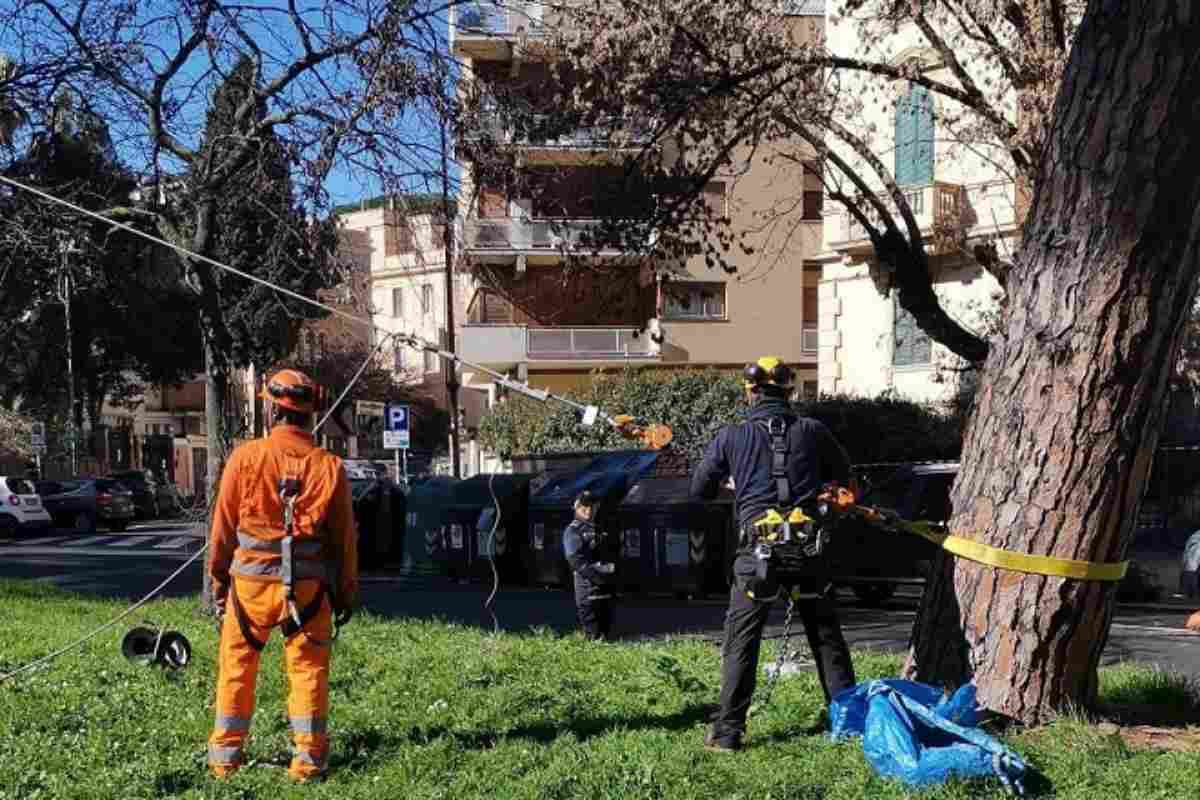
(133, 563)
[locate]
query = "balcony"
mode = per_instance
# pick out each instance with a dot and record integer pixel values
(488, 29)
(505, 345)
(523, 236)
(539, 142)
(946, 213)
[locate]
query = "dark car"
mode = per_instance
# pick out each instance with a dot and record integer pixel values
(873, 563)
(151, 497)
(82, 503)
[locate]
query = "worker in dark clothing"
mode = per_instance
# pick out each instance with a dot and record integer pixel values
(778, 462)
(593, 578)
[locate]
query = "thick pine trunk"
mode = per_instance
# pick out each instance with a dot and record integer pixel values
(1071, 399)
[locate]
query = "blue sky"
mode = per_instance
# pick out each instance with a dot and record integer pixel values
(272, 32)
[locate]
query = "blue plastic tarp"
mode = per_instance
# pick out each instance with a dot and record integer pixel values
(912, 733)
(609, 476)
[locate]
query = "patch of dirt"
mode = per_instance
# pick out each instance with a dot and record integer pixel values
(1149, 737)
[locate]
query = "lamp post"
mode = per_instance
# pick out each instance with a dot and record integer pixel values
(68, 248)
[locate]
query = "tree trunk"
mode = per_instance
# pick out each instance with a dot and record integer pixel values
(450, 366)
(1071, 399)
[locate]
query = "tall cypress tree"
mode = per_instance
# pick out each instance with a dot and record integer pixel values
(259, 229)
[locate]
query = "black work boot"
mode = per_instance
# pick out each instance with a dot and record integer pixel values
(713, 745)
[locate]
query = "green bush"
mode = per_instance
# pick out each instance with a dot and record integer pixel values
(696, 404)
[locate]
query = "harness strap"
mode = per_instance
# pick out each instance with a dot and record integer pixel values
(242, 621)
(777, 429)
(295, 623)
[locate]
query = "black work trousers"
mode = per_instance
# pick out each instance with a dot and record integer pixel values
(744, 623)
(595, 613)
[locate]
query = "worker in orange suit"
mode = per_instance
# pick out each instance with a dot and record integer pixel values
(283, 553)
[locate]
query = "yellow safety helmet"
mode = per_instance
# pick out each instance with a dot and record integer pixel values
(768, 371)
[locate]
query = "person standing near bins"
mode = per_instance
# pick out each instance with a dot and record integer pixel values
(593, 578)
(283, 553)
(777, 460)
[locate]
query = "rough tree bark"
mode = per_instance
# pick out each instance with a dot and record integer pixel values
(1068, 413)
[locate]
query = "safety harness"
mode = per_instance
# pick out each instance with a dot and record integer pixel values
(788, 543)
(289, 570)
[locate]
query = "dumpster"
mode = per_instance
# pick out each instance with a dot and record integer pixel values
(367, 498)
(551, 509)
(427, 533)
(671, 543)
(471, 516)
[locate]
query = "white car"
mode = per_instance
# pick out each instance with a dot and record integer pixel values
(21, 507)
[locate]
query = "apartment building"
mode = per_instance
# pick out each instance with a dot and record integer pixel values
(535, 320)
(868, 344)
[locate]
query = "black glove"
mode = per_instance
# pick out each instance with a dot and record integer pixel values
(343, 616)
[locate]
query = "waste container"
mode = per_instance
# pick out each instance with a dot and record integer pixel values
(551, 509)
(427, 533)
(473, 510)
(367, 496)
(671, 543)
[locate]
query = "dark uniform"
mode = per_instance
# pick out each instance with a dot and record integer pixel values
(593, 584)
(744, 452)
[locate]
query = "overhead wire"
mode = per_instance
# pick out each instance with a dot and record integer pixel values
(410, 339)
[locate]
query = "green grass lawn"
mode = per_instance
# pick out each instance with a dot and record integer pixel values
(425, 710)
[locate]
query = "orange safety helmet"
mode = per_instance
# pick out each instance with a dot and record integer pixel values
(291, 389)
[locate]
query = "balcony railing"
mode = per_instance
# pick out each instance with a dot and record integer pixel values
(933, 205)
(563, 344)
(532, 235)
(809, 343)
(539, 131)
(512, 344)
(483, 18)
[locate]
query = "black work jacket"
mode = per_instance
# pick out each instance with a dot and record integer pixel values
(743, 451)
(580, 544)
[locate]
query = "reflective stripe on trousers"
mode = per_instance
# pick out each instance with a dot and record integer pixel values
(307, 665)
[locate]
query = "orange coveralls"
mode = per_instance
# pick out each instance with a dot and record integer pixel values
(245, 562)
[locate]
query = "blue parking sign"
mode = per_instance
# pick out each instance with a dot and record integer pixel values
(396, 430)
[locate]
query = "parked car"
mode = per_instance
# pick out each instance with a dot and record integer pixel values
(873, 564)
(150, 496)
(359, 469)
(21, 509)
(82, 503)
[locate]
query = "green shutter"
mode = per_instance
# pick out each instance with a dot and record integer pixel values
(913, 346)
(914, 137)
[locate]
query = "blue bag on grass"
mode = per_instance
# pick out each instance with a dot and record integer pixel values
(910, 732)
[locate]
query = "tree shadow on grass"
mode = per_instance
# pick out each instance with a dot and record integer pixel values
(361, 745)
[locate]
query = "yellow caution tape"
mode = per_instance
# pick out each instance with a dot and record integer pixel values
(1017, 562)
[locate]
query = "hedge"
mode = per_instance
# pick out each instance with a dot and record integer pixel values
(696, 404)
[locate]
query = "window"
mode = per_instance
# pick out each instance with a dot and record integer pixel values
(431, 362)
(913, 346)
(399, 362)
(310, 346)
(397, 302)
(914, 137)
(695, 301)
(427, 299)
(809, 390)
(321, 345)
(814, 201)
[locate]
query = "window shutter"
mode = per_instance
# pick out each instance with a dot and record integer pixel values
(923, 144)
(397, 302)
(914, 138)
(912, 345)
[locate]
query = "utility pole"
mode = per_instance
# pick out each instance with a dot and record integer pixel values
(451, 367)
(67, 248)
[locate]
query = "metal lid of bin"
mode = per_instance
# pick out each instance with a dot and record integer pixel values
(475, 492)
(438, 490)
(674, 492)
(609, 476)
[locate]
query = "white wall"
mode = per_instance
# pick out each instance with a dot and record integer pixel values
(856, 335)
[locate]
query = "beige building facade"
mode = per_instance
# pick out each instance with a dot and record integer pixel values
(555, 325)
(868, 344)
